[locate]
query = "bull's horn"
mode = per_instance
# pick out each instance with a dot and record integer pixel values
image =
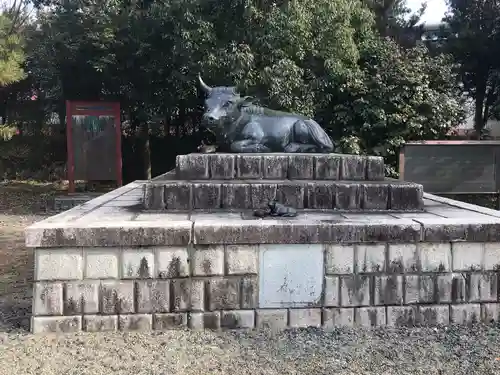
(203, 85)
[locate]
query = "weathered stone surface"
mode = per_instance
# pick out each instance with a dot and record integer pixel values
(468, 229)
(292, 194)
(178, 196)
(47, 298)
(374, 197)
(465, 314)
(56, 324)
(138, 263)
(154, 196)
(406, 196)
(207, 196)
(235, 319)
(237, 196)
(403, 258)
(172, 262)
(321, 195)
(100, 323)
(301, 167)
(491, 256)
(483, 287)
(332, 291)
(249, 292)
(242, 259)
(388, 290)
(302, 318)
(353, 168)
(101, 263)
(435, 257)
(354, 290)
(228, 232)
(249, 167)
(58, 264)
(370, 317)
(272, 319)
(432, 315)
(222, 166)
(327, 167)
(490, 312)
(187, 294)
(348, 196)
(135, 322)
(223, 294)
(371, 258)
(467, 256)
(275, 167)
(192, 167)
(339, 259)
(420, 289)
(375, 169)
(261, 194)
(153, 296)
(338, 318)
(117, 297)
(207, 260)
(163, 322)
(402, 316)
(205, 320)
(81, 298)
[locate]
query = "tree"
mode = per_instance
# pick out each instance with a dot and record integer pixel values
(474, 41)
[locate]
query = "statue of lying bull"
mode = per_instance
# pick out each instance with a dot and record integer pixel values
(243, 127)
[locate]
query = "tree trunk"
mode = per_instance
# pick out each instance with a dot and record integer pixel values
(479, 109)
(146, 151)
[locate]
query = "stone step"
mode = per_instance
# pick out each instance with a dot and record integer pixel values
(342, 195)
(278, 166)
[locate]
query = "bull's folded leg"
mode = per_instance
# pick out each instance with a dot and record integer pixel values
(300, 147)
(248, 146)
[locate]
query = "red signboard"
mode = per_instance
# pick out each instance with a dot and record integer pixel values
(94, 142)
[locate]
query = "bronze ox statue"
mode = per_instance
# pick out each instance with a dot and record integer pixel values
(242, 127)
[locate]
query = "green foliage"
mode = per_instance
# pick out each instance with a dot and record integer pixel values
(11, 52)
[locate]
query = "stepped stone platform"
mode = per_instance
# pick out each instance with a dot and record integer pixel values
(111, 264)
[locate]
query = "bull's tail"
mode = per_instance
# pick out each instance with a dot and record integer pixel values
(319, 136)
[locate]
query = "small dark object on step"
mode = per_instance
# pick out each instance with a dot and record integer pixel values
(276, 209)
(261, 213)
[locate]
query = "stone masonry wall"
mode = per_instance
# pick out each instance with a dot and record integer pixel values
(275, 286)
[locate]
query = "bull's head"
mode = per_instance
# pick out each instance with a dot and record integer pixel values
(219, 103)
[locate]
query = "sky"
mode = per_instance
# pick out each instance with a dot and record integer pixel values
(435, 10)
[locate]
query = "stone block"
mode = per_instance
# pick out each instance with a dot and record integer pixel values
(138, 263)
(47, 298)
(100, 323)
(207, 260)
(238, 319)
(223, 294)
(192, 167)
(388, 290)
(153, 296)
(402, 316)
(228, 232)
(339, 259)
(327, 167)
(370, 258)
(272, 319)
(275, 167)
(162, 322)
(403, 258)
(249, 167)
(374, 196)
(261, 194)
(207, 196)
(491, 259)
(420, 289)
(205, 320)
(291, 194)
(172, 262)
(464, 229)
(303, 318)
(55, 324)
(444, 285)
(375, 168)
(81, 298)
(483, 287)
(465, 314)
(370, 317)
(407, 196)
(467, 256)
(348, 196)
(320, 195)
(431, 315)
(135, 322)
(332, 293)
(301, 167)
(101, 263)
(117, 297)
(58, 264)
(387, 231)
(490, 312)
(154, 196)
(338, 318)
(249, 292)
(435, 257)
(187, 294)
(354, 290)
(236, 196)
(242, 259)
(178, 196)
(353, 168)
(222, 166)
